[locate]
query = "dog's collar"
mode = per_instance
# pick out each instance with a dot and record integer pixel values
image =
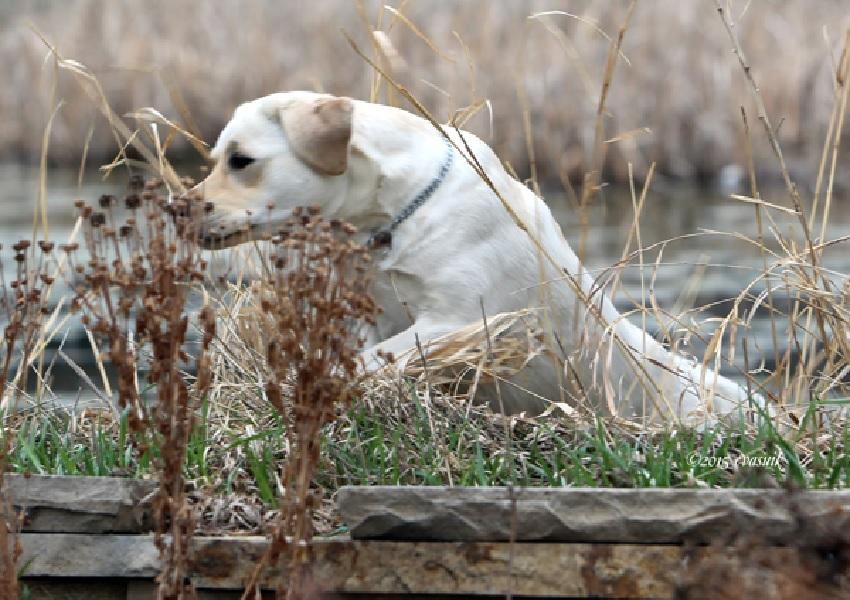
(383, 236)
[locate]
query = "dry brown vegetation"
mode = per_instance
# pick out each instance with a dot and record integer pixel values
(23, 314)
(313, 305)
(135, 284)
(676, 75)
(132, 287)
(134, 281)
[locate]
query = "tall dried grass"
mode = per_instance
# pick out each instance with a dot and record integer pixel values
(143, 295)
(675, 101)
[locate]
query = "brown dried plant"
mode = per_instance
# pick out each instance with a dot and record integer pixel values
(22, 309)
(315, 300)
(135, 294)
(10, 545)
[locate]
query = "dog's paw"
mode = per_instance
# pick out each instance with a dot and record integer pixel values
(375, 360)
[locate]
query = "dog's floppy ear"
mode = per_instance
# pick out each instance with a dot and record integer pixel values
(319, 132)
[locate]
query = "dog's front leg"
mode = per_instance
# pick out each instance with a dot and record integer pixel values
(402, 346)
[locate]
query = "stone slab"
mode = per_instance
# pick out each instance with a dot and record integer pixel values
(77, 589)
(378, 567)
(116, 589)
(53, 503)
(586, 515)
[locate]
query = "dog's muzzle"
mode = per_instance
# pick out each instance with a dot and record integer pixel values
(210, 238)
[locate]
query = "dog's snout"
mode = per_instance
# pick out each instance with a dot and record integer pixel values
(191, 204)
(217, 237)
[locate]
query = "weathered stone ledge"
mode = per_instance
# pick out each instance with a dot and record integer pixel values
(642, 516)
(54, 503)
(377, 567)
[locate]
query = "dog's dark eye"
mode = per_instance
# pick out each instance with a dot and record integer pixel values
(237, 161)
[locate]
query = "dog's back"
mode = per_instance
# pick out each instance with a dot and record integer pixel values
(533, 266)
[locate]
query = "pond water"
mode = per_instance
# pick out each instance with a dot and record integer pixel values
(703, 264)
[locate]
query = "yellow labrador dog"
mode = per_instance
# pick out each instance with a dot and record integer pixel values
(445, 243)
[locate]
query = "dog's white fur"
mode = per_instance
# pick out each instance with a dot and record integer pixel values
(363, 163)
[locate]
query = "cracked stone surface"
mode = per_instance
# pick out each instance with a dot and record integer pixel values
(81, 504)
(648, 516)
(378, 567)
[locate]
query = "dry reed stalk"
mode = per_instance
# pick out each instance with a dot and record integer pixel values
(754, 193)
(813, 275)
(592, 177)
(824, 350)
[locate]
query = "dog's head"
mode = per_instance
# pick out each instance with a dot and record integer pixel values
(276, 153)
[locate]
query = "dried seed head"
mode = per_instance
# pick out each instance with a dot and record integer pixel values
(153, 184)
(97, 219)
(132, 201)
(180, 207)
(46, 246)
(106, 200)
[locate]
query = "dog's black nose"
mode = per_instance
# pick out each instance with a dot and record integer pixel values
(181, 207)
(209, 240)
